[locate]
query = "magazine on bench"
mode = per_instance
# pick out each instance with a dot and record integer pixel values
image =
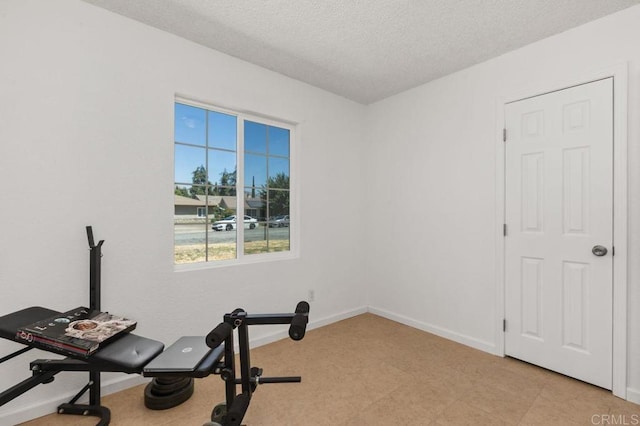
(80, 331)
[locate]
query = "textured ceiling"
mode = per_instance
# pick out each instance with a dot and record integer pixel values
(364, 50)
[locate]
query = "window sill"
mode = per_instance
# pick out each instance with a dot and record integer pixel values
(245, 260)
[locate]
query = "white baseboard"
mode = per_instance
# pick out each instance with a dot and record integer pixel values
(264, 340)
(633, 395)
(116, 384)
(438, 331)
(23, 414)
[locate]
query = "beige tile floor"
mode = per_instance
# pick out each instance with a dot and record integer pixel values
(368, 370)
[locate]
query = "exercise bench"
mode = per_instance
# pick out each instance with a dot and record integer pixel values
(133, 354)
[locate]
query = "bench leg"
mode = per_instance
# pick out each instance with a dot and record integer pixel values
(87, 410)
(93, 408)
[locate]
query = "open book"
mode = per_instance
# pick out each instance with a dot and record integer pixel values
(80, 331)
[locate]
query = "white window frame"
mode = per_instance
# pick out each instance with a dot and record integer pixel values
(294, 208)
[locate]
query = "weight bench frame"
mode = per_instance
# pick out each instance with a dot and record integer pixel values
(250, 377)
(130, 353)
(137, 350)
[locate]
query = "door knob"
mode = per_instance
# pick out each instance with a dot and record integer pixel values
(599, 250)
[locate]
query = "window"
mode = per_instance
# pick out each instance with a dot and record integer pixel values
(229, 166)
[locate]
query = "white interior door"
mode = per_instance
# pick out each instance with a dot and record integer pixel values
(558, 207)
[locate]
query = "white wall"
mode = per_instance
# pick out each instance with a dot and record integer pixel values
(433, 150)
(86, 113)
(86, 138)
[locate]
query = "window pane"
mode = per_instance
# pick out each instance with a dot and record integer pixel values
(222, 167)
(222, 244)
(255, 170)
(220, 208)
(255, 203)
(279, 203)
(190, 125)
(189, 240)
(255, 137)
(222, 131)
(278, 173)
(279, 239)
(181, 192)
(188, 160)
(187, 203)
(278, 234)
(278, 141)
(256, 240)
(199, 192)
(225, 197)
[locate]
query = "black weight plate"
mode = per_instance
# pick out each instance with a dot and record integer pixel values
(154, 402)
(162, 390)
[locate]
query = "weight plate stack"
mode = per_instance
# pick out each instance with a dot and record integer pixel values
(167, 392)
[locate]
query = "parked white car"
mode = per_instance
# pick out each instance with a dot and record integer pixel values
(229, 223)
(279, 221)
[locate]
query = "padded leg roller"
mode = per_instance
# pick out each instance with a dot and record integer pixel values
(218, 335)
(167, 392)
(299, 321)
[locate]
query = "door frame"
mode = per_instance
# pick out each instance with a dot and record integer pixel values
(619, 73)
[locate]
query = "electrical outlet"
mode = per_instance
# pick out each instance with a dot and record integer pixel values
(312, 295)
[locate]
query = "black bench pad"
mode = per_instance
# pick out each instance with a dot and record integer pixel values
(10, 323)
(127, 354)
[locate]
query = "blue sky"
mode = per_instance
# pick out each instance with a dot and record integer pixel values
(191, 128)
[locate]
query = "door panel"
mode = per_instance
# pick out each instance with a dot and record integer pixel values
(558, 206)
